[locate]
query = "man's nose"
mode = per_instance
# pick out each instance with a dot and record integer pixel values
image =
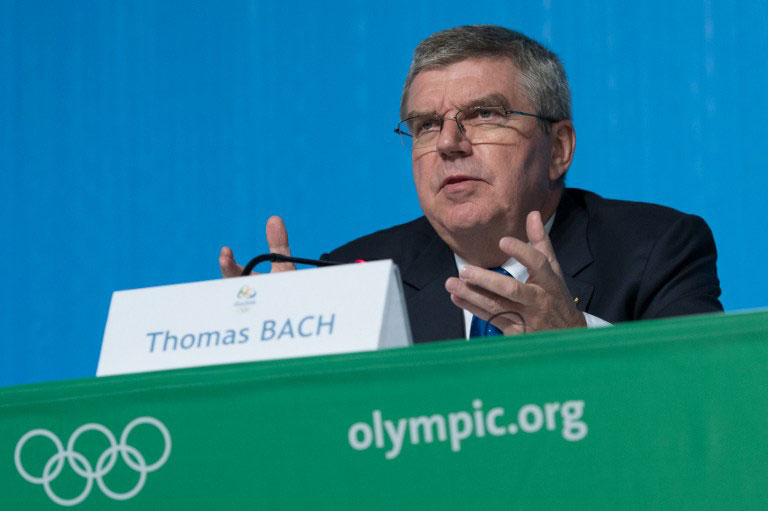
(453, 142)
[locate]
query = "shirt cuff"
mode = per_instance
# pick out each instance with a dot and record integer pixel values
(594, 321)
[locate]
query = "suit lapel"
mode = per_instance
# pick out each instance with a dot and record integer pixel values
(569, 239)
(433, 315)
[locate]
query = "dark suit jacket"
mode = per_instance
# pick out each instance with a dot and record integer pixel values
(624, 260)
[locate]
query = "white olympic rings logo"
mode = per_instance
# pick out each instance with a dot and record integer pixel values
(82, 467)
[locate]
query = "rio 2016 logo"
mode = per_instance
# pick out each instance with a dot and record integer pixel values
(246, 293)
(246, 296)
(132, 457)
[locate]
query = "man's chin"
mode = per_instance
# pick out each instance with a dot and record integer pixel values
(465, 219)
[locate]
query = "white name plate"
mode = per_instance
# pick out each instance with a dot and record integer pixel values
(335, 309)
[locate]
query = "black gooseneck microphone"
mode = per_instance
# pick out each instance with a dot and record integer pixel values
(280, 258)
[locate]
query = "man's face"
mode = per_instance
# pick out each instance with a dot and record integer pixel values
(467, 188)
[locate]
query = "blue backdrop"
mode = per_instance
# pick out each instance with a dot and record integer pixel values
(138, 137)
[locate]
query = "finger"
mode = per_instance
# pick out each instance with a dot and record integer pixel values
(482, 302)
(539, 239)
(502, 285)
(277, 240)
(537, 264)
(502, 322)
(229, 268)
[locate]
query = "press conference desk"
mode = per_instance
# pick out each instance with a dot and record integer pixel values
(668, 414)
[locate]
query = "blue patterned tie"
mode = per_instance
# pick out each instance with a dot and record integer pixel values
(480, 327)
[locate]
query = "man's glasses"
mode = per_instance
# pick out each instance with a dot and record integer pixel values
(481, 124)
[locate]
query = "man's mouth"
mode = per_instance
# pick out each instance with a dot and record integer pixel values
(456, 180)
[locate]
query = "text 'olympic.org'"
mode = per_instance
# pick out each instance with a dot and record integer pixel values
(458, 426)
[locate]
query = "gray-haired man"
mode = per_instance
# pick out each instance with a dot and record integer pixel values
(486, 113)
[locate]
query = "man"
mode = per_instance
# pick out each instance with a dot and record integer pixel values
(486, 112)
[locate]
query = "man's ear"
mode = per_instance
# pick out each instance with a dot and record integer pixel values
(563, 138)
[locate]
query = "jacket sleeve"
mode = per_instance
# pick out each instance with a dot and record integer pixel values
(680, 276)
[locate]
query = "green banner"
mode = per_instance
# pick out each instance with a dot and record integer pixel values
(668, 414)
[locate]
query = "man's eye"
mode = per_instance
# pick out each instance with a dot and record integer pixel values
(483, 115)
(487, 114)
(425, 125)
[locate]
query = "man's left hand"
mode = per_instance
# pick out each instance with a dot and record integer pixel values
(543, 302)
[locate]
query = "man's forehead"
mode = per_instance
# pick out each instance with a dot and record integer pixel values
(463, 83)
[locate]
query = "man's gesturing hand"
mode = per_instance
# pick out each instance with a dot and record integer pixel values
(543, 302)
(277, 239)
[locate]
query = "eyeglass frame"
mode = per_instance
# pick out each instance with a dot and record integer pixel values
(461, 127)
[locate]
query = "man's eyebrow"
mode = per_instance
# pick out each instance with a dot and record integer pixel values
(493, 99)
(416, 113)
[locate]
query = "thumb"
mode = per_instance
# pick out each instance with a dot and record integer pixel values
(539, 240)
(277, 240)
(227, 264)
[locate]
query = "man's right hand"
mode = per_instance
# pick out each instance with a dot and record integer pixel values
(277, 239)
